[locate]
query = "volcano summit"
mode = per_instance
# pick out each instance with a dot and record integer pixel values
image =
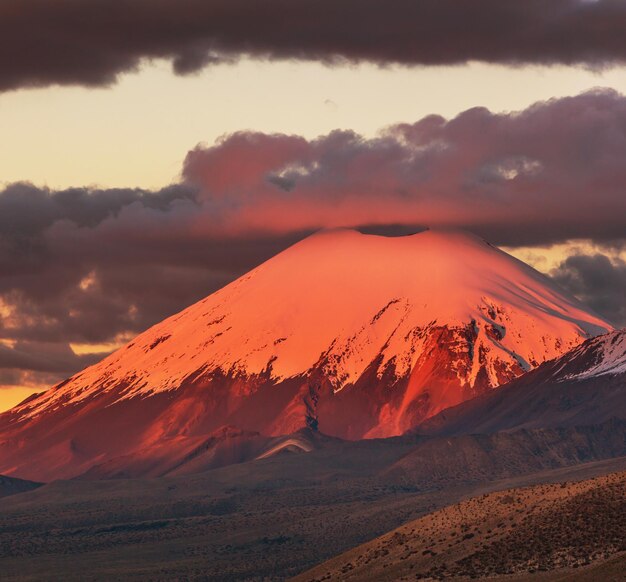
(354, 335)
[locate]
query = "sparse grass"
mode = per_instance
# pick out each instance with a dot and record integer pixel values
(520, 532)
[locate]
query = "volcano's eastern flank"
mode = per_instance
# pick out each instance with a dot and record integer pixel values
(356, 335)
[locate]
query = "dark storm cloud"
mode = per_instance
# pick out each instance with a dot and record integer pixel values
(29, 378)
(552, 172)
(598, 281)
(86, 265)
(45, 42)
(93, 266)
(43, 357)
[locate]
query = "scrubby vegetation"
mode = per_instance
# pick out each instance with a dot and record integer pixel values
(572, 531)
(530, 531)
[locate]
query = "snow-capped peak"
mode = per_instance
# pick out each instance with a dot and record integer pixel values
(346, 305)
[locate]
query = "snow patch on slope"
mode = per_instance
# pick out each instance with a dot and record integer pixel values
(343, 301)
(609, 355)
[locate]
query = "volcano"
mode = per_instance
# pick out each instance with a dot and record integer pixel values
(348, 334)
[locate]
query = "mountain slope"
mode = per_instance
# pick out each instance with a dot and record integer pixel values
(11, 486)
(443, 461)
(185, 455)
(586, 385)
(354, 335)
(555, 528)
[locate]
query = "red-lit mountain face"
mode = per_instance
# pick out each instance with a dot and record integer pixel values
(585, 386)
(355, 335)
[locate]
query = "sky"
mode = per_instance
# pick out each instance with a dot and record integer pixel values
(125, 136)
(153, 151)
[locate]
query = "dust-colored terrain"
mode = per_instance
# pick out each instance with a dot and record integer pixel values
(265, 520)
(561, 531)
